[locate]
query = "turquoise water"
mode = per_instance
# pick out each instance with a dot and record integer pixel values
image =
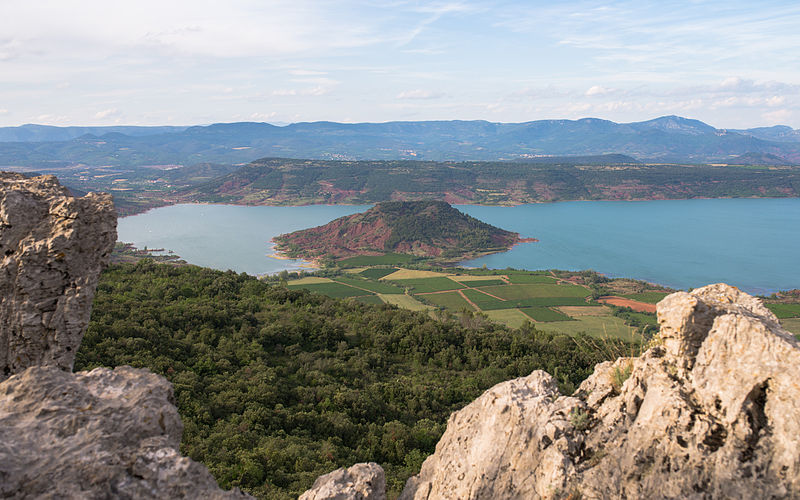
(226, 236)
(750, 243)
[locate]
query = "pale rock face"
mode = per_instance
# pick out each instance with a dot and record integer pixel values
(359, 482)
(713, 412)
(92, 435)
(53, 247)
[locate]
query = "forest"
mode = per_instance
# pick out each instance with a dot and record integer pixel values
(276, 386)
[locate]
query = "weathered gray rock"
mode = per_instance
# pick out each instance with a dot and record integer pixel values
(359, 482)
(92, 435)
(53, 247)
(713, 412)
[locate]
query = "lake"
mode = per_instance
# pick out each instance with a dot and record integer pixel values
(750, 243)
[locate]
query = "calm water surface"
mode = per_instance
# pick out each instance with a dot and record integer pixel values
(751, 243)
(226, 236)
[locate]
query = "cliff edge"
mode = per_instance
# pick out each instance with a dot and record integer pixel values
(88, 435)
(710, 411)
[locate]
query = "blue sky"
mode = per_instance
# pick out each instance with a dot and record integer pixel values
(732, 64)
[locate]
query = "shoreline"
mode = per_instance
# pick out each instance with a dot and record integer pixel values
(507, 205)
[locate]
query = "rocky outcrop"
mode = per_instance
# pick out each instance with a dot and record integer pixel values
(88, 435)
(53, 247)
(359, 482)
(98, 434)
(711, 412)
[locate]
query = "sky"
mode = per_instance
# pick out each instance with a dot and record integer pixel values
(732, 64)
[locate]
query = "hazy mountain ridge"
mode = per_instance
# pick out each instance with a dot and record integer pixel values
(668, 138)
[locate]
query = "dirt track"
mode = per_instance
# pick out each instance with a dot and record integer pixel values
(623, 302)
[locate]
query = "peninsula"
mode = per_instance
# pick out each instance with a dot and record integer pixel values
(431, 229)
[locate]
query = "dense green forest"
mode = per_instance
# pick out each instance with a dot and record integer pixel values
(278, 386)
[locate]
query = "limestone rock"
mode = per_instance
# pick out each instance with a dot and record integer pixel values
(713, 412)
(98, 434)
(359, 482)
(53, 247)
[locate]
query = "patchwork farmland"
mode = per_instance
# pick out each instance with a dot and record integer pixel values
(545, 299)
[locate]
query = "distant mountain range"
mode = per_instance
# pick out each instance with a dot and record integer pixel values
(665, 139)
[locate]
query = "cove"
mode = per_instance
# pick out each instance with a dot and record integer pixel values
(750, 243)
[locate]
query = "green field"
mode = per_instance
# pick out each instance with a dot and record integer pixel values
(451, 300)
(486, 302)
(424, 285)
(477, 283)
(372, 286)
(406, 302)
(512, 318)
(369, 299)
(793, 325)
(649, 297)
(784, 311)
(335, 290)
(544, 314)
(523, 279)
(376, 273)
(597, 326)
(511, 292)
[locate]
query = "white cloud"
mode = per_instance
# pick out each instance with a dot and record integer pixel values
(107, 114)
(49, 119)
(313, 91)
(420, 94)
(778, 117)
(597, 90)
(3, 111)
(306, 72)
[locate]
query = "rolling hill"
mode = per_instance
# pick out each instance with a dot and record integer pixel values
(421, 228)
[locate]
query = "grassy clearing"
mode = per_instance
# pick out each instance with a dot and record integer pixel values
(512, 292)
(512, 318)
(309, 280)
(369, 299)
(574, 311)
(405, 274)
(784, 311)
(648, 297)
(378, 260)
(523, 279)
(335, 290)
(406, 302)
(355, 270)
(376, 273)
(597, 326)
(372, 286)
(425, 285)
(793, 325)
(545, 314)
(450, 300)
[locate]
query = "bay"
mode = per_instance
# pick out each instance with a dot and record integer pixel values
(750, 243)
(227, 236)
